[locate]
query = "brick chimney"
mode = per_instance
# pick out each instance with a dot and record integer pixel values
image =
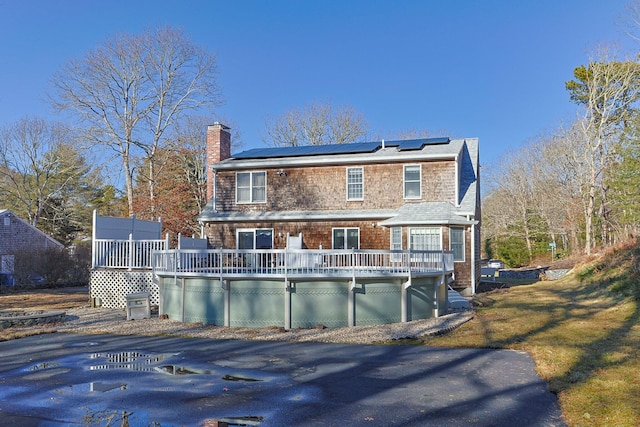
(218, 149)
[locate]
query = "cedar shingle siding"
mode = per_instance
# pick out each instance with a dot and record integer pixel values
(18, 235)
(308, 194)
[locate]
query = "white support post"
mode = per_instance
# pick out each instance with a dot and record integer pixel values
(287, 305)
(220, 262)
(160, 282)
(287, 292)
(351, 303)
(226, 285)
(436, 306)
(404, 300)
(183, 282)
(94, 258)
(403, 304)
(130, 266)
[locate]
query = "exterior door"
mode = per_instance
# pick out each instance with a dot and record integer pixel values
(255, 238)
(346, 238)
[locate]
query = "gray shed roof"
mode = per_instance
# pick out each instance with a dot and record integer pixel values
(4, 213)
(426, 213)
(209, 215)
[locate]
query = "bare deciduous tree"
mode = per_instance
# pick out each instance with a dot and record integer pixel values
(316, 124)
(37, 165)
(607, 90)
(189, 145)
(512, 206)
(133, 88)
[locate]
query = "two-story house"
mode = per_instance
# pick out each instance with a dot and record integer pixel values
(421, 194)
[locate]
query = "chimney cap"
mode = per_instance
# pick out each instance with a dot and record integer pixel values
(220, 125)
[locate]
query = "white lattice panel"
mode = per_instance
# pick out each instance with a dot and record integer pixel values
(112, 286)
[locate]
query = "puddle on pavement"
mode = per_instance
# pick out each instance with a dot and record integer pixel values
(129, 360)
(239, 379)
(88, 402)
(44, 365)
(106, 387)
(107, 418)
(84, 344)
(181, 370)
(251, 420)
(86, 388)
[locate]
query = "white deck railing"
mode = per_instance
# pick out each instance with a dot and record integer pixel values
(125, 254)
(300, 262)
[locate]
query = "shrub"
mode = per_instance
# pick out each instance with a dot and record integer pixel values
(56, 266)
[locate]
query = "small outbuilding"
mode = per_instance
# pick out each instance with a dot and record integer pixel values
(18, 236)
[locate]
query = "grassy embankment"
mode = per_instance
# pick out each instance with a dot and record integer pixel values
(582, 331)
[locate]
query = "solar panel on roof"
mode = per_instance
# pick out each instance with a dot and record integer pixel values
(308, 150)
(353, 148)
(418, 144)
(413, 144)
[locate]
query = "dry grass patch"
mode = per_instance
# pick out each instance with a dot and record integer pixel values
(583, 333)
(39, 299)
(43, 299)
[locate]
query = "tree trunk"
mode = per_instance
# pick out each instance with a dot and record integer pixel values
(588, 220)
(152, 188)
(128, 181)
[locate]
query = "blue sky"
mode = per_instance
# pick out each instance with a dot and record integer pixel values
(492, 69)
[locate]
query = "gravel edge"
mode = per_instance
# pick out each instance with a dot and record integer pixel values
(88, 320)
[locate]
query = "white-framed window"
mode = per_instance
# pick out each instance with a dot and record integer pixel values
(346, 238)
(254, 238)
(425, 239)
(456, 243)
(396, 243)
(251, 187)
(355, 184)
(412, 182)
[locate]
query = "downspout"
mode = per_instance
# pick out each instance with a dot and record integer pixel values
(457, 175)
(473, 257)
(215, 176)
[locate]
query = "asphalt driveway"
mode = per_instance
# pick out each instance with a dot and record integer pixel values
(70, 379)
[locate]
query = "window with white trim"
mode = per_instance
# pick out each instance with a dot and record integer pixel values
(251, 187)
(412, 182)
(396, 243)
(355, 184)
(425, 239)
(346, 238)
(456, 243)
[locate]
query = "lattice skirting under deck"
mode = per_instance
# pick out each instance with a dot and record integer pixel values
(110, 287)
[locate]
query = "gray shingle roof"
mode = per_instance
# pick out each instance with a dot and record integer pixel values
(209, 215)
(425, 213)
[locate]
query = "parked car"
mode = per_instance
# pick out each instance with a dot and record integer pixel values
(495, 263)
(6, 279)
(37, 279)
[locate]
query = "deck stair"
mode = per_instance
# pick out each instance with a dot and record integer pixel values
(457, 301)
